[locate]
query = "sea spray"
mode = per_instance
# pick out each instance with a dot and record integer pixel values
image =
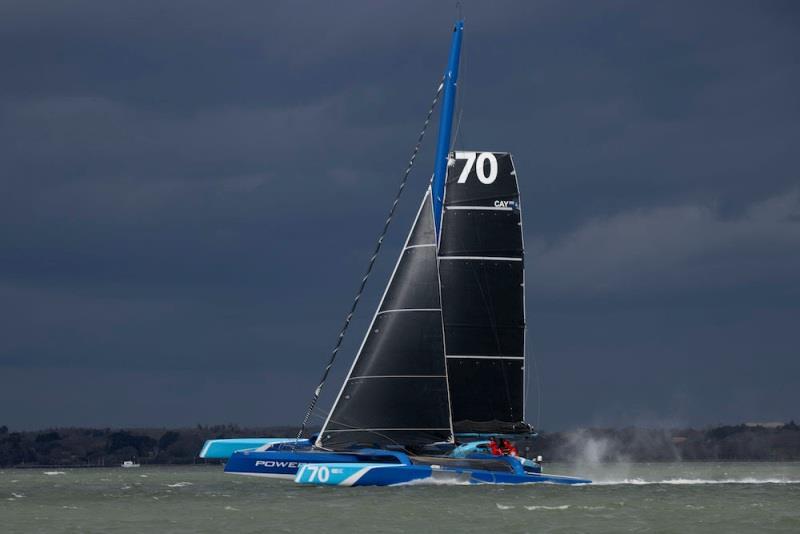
(607, 455)
(596, 458)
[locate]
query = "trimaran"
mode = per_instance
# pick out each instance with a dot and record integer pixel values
(441, 368)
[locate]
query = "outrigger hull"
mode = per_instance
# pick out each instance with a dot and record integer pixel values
(359, 474)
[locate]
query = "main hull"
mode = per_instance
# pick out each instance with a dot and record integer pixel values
(279, 464)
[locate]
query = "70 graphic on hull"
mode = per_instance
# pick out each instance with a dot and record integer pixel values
(316, 473)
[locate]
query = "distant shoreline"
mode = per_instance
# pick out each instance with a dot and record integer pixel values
(68, 448)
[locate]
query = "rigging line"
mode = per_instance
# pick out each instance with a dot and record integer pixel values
(458, 127)
(373, 431)
(537, 378)
(538, 391)
(378, 245)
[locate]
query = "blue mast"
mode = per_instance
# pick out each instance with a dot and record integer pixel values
(446, 125)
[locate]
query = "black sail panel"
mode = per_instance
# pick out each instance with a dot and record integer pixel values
(483, 306)
(481, 267)
(400, 344)
(497, 382)
(415, 284)
(392, 403)
(396, 392)
(423, 232)
(485, 232)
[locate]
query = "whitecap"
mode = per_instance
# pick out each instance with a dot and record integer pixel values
(53, 473)
(504, 506)
(179, 485)
(231, 508)
(562, 507)
(18, 495)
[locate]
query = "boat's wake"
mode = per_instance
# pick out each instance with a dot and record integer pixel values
(694, 481)
(625, 481)
(436, 482)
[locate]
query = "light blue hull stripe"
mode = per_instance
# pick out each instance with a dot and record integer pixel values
(222, 449)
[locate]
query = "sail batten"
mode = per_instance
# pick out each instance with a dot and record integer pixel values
(474, 357)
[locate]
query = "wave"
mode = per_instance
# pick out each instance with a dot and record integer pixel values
(618, 482)
(436, 482)
(695, 481)
(179, 485)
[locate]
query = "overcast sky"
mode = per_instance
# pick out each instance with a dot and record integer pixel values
(190, 190)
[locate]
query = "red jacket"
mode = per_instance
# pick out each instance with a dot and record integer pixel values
(508, 448)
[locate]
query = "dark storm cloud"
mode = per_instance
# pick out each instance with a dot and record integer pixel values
(189, 192)
(677, 248)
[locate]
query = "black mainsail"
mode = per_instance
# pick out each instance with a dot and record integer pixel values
(481, 268)
(396, 391)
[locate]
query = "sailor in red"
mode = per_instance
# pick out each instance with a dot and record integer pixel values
(508, 448)
(493, 448)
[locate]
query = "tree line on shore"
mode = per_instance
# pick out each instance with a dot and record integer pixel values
(110, 447)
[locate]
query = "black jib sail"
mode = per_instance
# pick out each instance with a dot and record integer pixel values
(482, 280)
(396, 391)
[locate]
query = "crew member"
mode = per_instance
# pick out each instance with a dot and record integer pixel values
(508, 448)
(494, 448)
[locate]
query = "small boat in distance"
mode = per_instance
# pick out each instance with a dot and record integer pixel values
(128, 464)
(437, 390)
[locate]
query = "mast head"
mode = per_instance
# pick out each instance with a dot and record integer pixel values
(446, 122)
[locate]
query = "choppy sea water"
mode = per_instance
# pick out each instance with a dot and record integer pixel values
(680, 497)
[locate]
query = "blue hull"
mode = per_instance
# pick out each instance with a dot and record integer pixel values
(364, 474)
(372, 467)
